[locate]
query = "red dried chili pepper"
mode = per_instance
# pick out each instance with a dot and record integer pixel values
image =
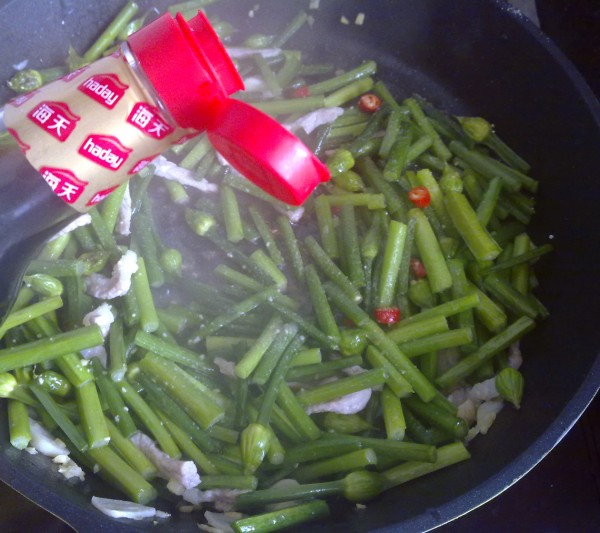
(419, 196)
(369, 103)
(387, 315)
(417, 268)
(300, 92)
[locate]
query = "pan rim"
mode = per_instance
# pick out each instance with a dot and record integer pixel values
(534, 453)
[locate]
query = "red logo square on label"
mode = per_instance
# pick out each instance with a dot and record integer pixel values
(54, 118)
(147, 118)
(64, 183)
(106, 89)
(105, 150)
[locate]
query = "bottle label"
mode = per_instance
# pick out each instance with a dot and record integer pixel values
(91, 130)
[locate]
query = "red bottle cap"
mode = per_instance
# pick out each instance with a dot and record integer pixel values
(265, 152)
(188, 67)
(193, 75)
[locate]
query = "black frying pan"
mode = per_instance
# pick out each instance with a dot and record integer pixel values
(466, 56)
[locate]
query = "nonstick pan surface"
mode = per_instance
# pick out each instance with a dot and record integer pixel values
(467, 57)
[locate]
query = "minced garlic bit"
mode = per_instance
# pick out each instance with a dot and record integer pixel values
(258, 85)
(253, 11)
(227, 368)
(486, 414)
(293, 214)
(515, 358)
(314, 4)
(360, 19)
(344, 20)
(68, 467)
(21, 65)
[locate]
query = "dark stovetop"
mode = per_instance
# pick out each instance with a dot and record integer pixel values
(562, 493)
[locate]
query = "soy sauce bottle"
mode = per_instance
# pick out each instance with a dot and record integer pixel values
(81, 136)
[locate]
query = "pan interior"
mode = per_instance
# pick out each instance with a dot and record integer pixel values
(468, 58)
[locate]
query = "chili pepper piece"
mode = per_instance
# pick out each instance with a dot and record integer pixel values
(417, 268)
(387, 315)
(369, 103)
(419, 196)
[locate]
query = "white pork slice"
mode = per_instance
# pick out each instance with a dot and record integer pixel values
(346, 405)
(183, 472)
(118, 284)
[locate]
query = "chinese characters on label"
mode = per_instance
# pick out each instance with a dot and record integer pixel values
(147, 119)
(64, 183)
(54, 118)
(90, 130)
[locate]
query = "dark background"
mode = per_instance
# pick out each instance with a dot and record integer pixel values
(563, 492)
